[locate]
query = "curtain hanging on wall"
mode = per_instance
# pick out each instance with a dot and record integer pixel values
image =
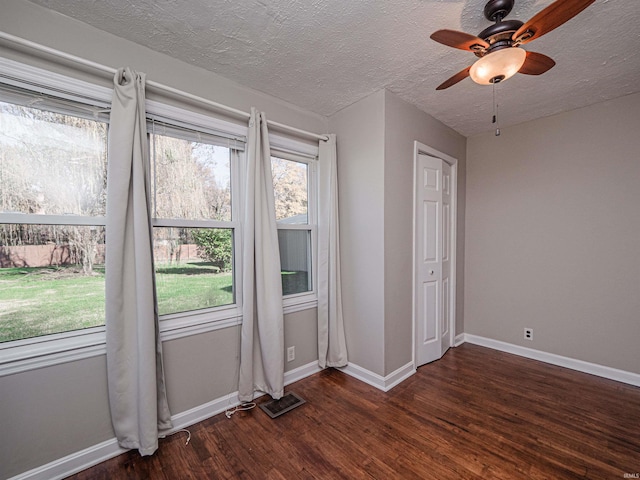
(332, 347)
(262, 341)
(137, 394)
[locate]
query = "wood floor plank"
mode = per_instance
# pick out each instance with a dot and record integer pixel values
(475, 414)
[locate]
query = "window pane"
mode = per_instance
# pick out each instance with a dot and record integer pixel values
(295, 260)
(192, 180)
(51, 163)
(194, 268)
(290, 187)
(51, 279)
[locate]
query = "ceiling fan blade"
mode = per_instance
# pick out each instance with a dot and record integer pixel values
(551, 17)
(536, 64)
(455, 39)
(455, 79)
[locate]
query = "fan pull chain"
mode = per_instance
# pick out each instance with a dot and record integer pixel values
(495, 111)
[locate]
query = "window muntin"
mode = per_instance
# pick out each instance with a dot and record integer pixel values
(194, 236)
(295, 219)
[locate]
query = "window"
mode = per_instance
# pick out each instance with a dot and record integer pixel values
(53, 167)
(296, 217)
(193, 210)
(53, 160)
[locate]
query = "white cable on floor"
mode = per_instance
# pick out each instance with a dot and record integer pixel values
(240, 408)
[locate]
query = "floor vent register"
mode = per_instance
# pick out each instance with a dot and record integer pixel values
(275, 408)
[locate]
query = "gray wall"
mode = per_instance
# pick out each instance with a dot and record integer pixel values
(56, 411)
(552, 234)
(360, 144)
(52, 412)
(375, 163)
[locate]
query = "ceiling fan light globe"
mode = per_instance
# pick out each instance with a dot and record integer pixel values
(503, 64)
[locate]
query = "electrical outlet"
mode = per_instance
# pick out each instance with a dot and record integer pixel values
(528, 333)
(291, 354)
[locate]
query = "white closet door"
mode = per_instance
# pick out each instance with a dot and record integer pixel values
(433, 258)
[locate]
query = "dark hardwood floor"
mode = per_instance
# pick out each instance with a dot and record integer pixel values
(477, 413)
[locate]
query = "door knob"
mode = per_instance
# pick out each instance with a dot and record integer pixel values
(430, 272)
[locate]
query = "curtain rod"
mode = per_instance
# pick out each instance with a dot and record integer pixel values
(151, 84)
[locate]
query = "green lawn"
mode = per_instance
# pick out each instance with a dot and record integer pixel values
(192, 286)
(40, 301)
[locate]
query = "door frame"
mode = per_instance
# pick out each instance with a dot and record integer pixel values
(419, 148)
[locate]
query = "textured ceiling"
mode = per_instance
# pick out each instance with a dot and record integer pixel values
(324, 55)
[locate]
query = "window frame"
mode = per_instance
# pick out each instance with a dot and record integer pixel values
(52, 349)
(303, 300)
(177, 325)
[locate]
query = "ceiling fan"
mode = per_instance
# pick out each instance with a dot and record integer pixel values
(498, 46)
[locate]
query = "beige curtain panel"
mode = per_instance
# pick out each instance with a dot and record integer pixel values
(332, 347)
(137, 394)
(262, 340)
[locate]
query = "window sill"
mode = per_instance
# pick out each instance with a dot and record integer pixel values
(49, 350)
(299, 302)
(192, 323)
(31, 353)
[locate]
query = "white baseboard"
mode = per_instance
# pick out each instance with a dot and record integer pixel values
(579, 365)
(301, 372)
(219, 405)
(459, 340)
(76, 462)
(382, 383)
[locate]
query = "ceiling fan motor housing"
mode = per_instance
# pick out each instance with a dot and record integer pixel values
(496, 10)
(499, 34)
